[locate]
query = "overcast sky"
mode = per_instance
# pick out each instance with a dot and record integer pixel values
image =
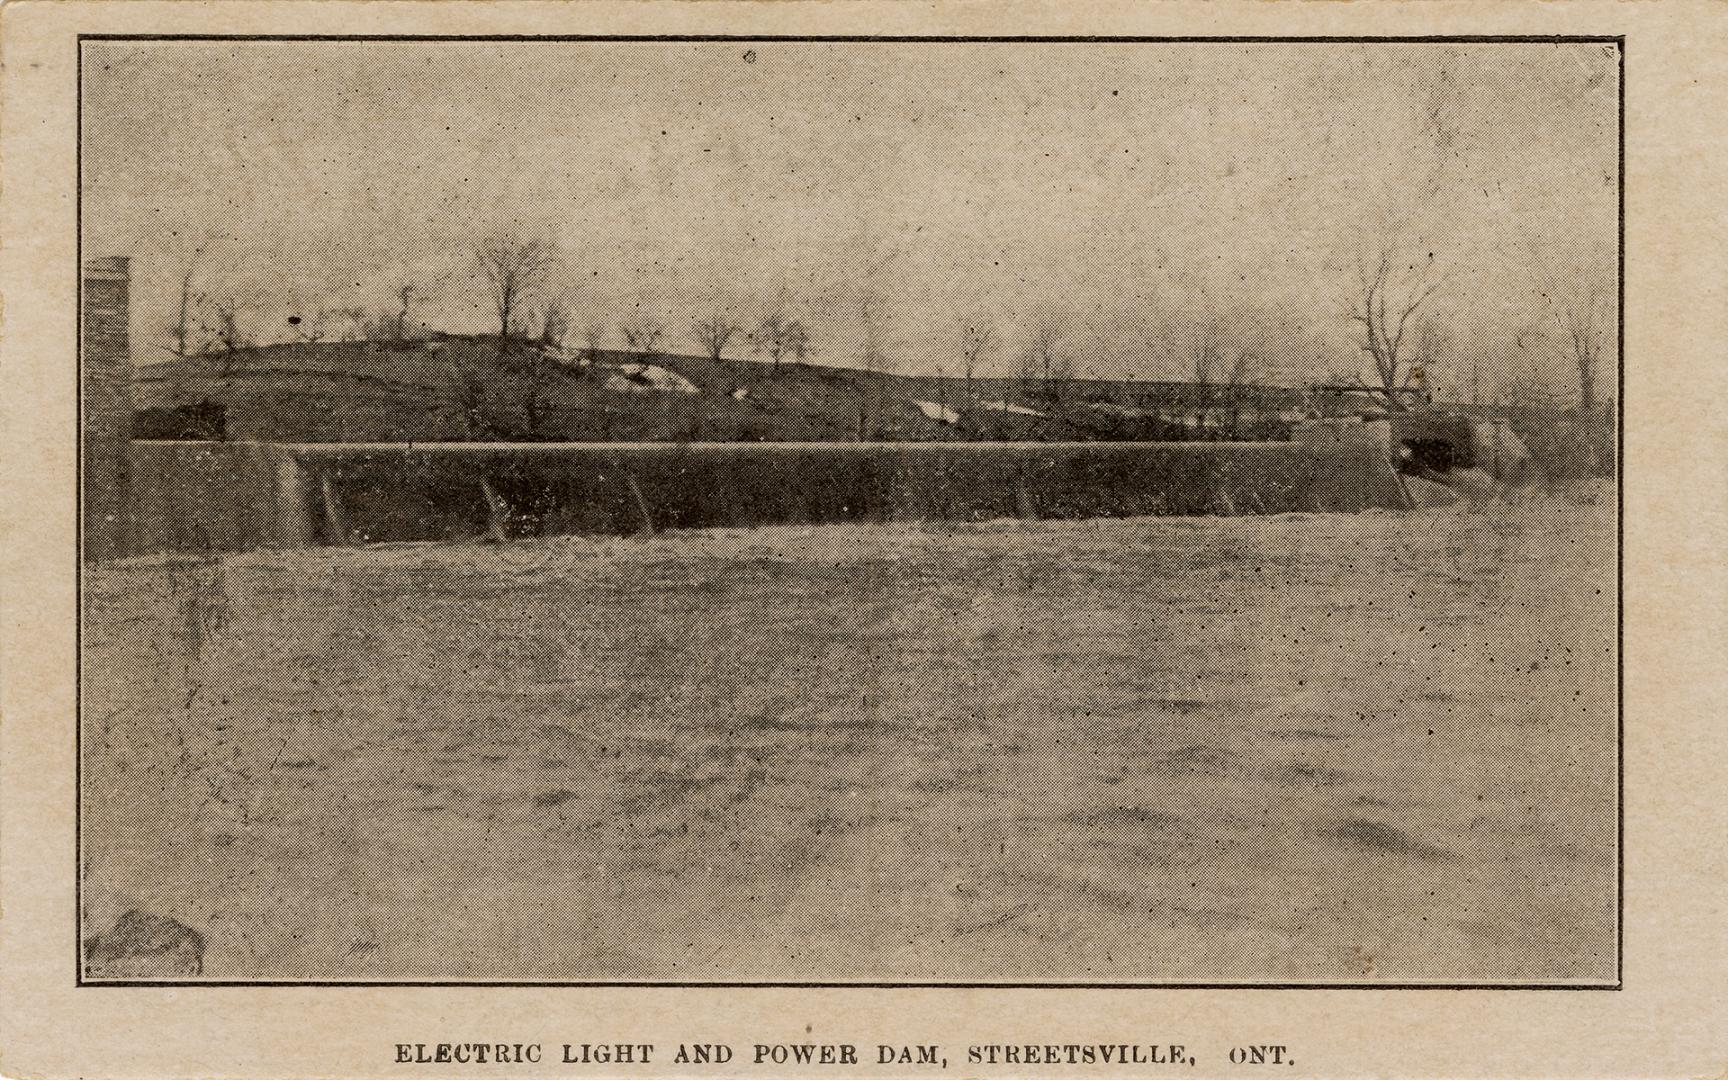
(1137, 187)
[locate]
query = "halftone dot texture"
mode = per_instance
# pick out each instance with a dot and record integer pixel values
(1325, 747)
(1303, 747)
(1154, 206)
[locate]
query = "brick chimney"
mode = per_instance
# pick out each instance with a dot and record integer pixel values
(107, 405)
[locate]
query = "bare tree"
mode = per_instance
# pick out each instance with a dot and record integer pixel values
(977, 343)
(406, 294)
(1244, 369)
(1046, 359)
(1387, 300)
(554, 322)
(1203, 351)
(514, 271)
(1029, 367)
(775, 336)
(1241, 376)
(227, 334)
(712, 332)
(1048, 330)
(642, 333)
(593, 340)
(1582, 322)
(184, 329)
(1061, 373)
(869, 318)
(539, 373)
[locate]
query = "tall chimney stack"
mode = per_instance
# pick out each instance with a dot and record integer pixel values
(107, 405)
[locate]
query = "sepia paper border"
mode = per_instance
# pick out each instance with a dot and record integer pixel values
(1666, 1019)
(81, 932)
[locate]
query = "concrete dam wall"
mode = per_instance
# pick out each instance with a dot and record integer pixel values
(227, 496)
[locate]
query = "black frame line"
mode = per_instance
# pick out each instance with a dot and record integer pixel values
(505, 984)
(1618, 41)
(1082, 39)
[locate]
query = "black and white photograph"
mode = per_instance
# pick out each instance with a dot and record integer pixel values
(849, 511)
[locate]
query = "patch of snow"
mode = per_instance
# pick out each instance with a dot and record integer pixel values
(940, 413)
(659, 378)
(740, 394)
(618, 384)
(1004, 407)
(646, 378)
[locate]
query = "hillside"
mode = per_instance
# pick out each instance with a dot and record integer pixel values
(459, 388)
